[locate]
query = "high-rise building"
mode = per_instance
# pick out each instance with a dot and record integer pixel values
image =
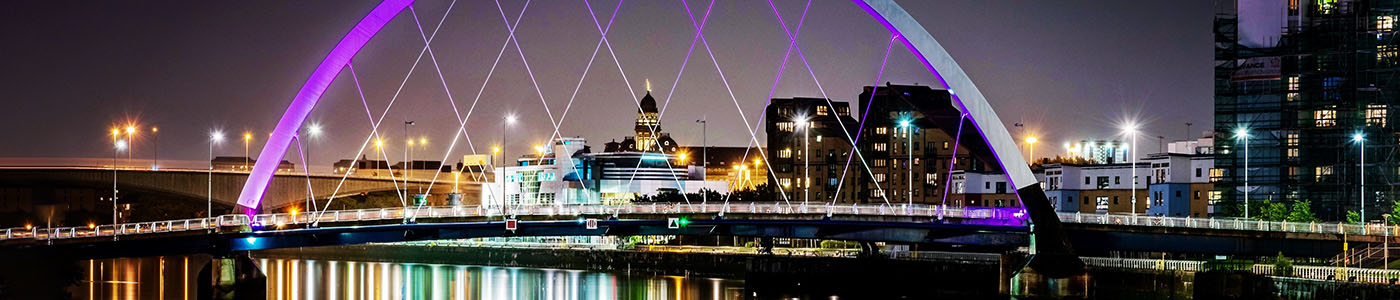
(808, 150)
(1303, 85)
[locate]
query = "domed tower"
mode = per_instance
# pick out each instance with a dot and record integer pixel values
(647, 123)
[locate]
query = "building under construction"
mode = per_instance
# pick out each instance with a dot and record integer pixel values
(1303, 90)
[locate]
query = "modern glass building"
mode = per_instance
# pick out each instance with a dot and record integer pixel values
(1306, 86)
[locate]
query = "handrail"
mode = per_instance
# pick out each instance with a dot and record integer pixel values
(414, 213)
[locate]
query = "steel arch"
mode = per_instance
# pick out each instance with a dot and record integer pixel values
(965, 95)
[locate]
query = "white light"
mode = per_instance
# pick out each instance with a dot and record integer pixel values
(510, 119)
(314, 129)
(121, 145)
(1358, 137)
(1239, 133)
(216, 136)
(1130, 128)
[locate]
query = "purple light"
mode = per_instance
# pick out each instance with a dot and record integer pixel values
(251, 196)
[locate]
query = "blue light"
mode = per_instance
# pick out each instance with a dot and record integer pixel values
(653, 157)
(251, 240)
(580, 220)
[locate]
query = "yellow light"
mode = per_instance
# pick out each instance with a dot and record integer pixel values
(756, 162)
(681, 156)
(28, 226)
(247, 136)
(280, 224)
(91, 225)
(496, 149)
(154, 129)
(539, 148)
(130, 129)
(378, 143)
(410, 142)
(422, 141)
(294, 211)
(116, 132)
(1031, 140)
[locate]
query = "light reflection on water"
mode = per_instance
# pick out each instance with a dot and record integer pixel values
(173, 278)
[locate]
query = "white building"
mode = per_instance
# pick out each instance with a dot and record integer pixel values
(566, 173)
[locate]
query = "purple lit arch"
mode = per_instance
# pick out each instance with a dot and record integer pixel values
(965, 95)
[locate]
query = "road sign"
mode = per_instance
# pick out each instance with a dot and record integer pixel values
(512, 224)
(591, 223)
(673, 223)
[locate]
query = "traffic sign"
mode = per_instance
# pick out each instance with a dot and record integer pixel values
(673, 223)
(512, 224)
(591, 224)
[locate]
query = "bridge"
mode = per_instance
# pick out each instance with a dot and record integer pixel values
(285, 189)
(987, 228)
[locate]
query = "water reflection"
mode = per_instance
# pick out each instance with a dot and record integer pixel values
(173, 278)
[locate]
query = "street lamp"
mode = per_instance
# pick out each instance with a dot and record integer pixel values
(806, 166)
(1361, 197)
(155, 146)
(1030, 144)
(116, 148)
(704, 153)
(314, 131)
(1243, 134)
(378, 151)
(214, 138)
(1131, 131)
(509, 119)
(130, 139)
(247, 138)
(908, 148)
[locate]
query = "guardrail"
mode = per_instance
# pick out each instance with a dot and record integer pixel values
(1232, 224)
(277, 220)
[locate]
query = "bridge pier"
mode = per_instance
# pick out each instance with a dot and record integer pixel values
(234, 277)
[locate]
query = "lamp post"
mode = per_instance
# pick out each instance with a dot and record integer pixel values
(908, 148)
(806, 166)
(313, 130)
(247, 138)
(1030, 144)
(214, 138)
(155, 147)
(1243, 134)
(130, 141)
(407, 163)
(1131, 130)
(378, 151)
(704, 154)
(509, 119)
(1361, 197)
(116, 148)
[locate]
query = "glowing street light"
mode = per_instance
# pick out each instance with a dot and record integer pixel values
(1361, 197)
(117, 146)
(155, 147)
(1030, 144)
(509, 120)
(1131, 130)
(804, 124)
(215, 137)
(909, 149)
(1243, 134)
(247, 138)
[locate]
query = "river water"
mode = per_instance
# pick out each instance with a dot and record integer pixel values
(174, 278)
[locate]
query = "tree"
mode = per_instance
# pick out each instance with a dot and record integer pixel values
(1394, 213)
(1283, 266)
(1301, 212)
(1353, 217)
(1272, 211)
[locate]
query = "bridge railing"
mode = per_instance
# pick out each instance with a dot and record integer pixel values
(1232, 224)
(276, 220)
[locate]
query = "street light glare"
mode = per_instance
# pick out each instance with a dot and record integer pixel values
(216, 136)
(247, 136)
(314, 129)
(1130, 128)
(1031, 140)
(904, 123)
(130, 129)
(510, 119)
(1242, 132)
(1358, 137)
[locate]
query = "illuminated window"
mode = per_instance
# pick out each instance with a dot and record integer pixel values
(1292, 139)
(1326, 6)
(879, 177)
(1216, 174)
(844, 111)
(878, 163)
(1385, 23)
(1322, 171)
(882, 130)
(1292, 96)
(1293, 83)
(1292, 7)
(785, 182)
(1292, 171)
(821, 110)
(785, 153)
(1386, 54)
(881, 147)
(1292, 152)
(785, 126)
(1325, 118)
(1375, 115)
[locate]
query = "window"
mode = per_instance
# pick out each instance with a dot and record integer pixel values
(1386, 54)
(785, 182)
(879, 163)
(1117, 180)
(1103, 182)
(945, 145)
(1375, 115)
(1292, 152)
(1385, 23)
(1325, 118)
(1326, 6)
(1101, 203)
(882, 147)
(1292, 171)
(1293, 83)
(1198, 172)
(879, 177)
(882, 130)
(1115, 200)
(1196, 195)
(987, 185)
(1086, 199)
(1292, 7)
(1178, 194)
(785, 153)
(1215, 196)
(1322, 171)
(821, 110)
(844, 111)
(1001, 187)
(1292, 139)
(917, 160)
(1086, 180)
(785, 126)
(1216, 174)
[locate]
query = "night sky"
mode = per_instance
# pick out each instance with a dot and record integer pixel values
(70, 70)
